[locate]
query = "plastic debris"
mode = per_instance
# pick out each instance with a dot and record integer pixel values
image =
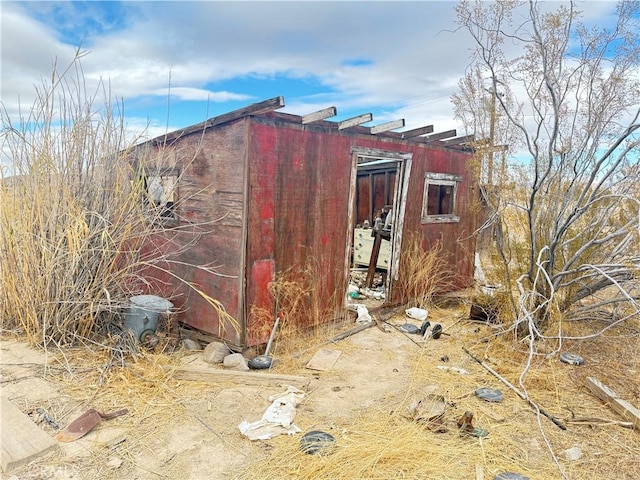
(572, 454)
(416, 313)
(316, 441)
(363, 314)
(409, 328)
(489, 394)
(571, 358)
(277, 419)
(510, 476)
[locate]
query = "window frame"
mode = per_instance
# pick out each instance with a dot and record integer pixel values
(160, 173)
(440, 179)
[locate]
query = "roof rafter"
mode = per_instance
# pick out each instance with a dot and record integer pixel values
(458, 140)
(416, 132)
(319, 115)
(352, 122)
(385, 127)
(253, 109)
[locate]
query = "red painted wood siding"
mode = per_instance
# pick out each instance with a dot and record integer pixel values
(285, 187)
(210, 194)
(301, 176)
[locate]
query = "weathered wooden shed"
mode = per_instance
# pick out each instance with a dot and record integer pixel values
(255, 193)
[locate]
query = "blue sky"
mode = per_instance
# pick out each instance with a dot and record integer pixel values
(393, 59)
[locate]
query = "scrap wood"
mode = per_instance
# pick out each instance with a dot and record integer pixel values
(342, 336)
(598, 421)
(492, 415)
(205, 374)
(625, 409)
(22, 440)
(323, 360)
(558, 423)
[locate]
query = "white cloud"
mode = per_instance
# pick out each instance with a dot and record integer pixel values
(403, 57)
(190, 94)
(191, 44)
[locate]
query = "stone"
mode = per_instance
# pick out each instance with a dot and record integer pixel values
(235, 361)
(189, 344)
(215, 352)
(114, 463)
(572, 454)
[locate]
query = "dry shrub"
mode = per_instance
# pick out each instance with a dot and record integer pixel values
(424, 272)
(78, 234)
(300, 303)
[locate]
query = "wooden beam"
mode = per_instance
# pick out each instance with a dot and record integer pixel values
(212, 374)
(623, 408)
(254, 109)
(438, 136)
(352, 122)
(385, 127)
(416, 132)
(458, 140)
(22, 440)
(319, 115)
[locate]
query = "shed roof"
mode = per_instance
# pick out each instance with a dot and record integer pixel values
(423, 135)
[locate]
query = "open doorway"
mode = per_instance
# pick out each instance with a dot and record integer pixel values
(379, 180)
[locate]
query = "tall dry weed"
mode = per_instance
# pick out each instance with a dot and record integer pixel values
(424, 272)
(78, 235)
(302, 305)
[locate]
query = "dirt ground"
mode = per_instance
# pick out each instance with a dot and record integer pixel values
(178, 429)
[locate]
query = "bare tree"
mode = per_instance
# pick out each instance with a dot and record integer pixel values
(571, 93)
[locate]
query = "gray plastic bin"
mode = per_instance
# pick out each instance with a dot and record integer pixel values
(141, 316)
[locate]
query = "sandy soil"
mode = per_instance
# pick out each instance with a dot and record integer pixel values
(189, 430)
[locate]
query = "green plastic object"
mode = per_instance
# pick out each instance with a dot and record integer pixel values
(141, 317)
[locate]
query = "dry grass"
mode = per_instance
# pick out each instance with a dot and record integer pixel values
(78, 234)
(424, 272)
(379, 441)
(382, 443)
(304, 321)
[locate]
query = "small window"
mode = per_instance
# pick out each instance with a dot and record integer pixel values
(439, 198)
(160, 190)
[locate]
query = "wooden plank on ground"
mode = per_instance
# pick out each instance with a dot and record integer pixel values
(623, 408)
(204, 374)
(22, 440)
(324, 359)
